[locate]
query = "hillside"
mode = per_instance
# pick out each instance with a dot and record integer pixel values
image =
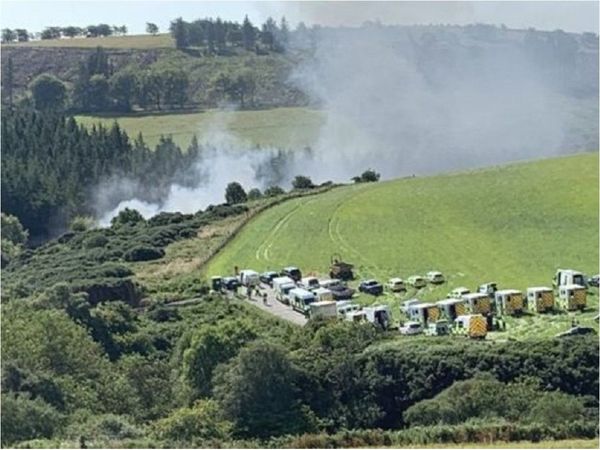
(505, 224)
(140, 41)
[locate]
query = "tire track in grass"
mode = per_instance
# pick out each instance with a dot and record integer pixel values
(273, 231)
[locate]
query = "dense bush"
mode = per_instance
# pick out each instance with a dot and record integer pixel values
(143, 253)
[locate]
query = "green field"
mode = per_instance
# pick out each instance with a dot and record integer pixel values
(514, 225)
(140, 41)
(288, 128)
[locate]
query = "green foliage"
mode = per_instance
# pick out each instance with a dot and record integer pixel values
(24, 418)
(151, 28)
(258, 392)
(201, 422)
(254, 194)
(82, 223)
(302, 182)
(210, 347)
(368, 176)
(12, 230)
(49, 93)
(127, 216)
(273, 191)
(485, 398)
(143, 253)
(234, 193)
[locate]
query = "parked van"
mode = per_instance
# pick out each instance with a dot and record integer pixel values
(300, 300)
(282, 286)
(249, 278)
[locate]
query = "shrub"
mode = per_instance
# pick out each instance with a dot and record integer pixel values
(302, 182)
(234, 193)
(368, 176)
(254, 194)
(143, 253)
(96, 240)
(80, 224)
(273, 191)
(127, 217)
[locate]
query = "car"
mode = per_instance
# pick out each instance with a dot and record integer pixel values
(408, 303)
(576, 331)
(293, 272)
(267, 278)
(339, 289)
(417, 281)
(435, 277)
(309, 283)
(411, 328)
(231, 283)
(396, 284)
(372, 287)
(594, 281)
(458, 292)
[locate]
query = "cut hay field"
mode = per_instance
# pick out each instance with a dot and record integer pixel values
(139, 41)
(287, 128)
(514, 225)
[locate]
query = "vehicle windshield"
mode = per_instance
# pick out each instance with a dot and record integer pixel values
(414, 325)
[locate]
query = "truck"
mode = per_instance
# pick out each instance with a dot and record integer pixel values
(411, 328)
(379, 315)
(568, 276)
(323, 295)
(356, 316)
(293, 272)
(309, 283)
(458, 292)
(478, 303)
(438, 328)
(282, 286)
(424, 312)
(473, 326)
(488, 289)
(300, 300)
(340, 269)
(509, 302)
(572, 297)
(338, 288)
(346, 307)
(451, 308)
(249, 278)
(323, 310)
(540, 299)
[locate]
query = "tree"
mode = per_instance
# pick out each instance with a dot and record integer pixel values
(368, 176)
(98, 90)
(104, 30)
(9, 81)
(284, 32)
(201, 422)
(123, 85)
(179, 32)
(12, 230)
(175, 83)
(257, 391)
(48, 92)
(51, 33)
(127, 216)
(273, 191)
(254, 194)
(248, 34)
(235, 194)
(72, 31)
(151, 28)
(8, 36)
(302, 182)
(22, 35)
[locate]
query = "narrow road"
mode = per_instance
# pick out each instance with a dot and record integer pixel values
(273, 306)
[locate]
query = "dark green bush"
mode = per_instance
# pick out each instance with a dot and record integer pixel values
(96, 240)
(143, 253)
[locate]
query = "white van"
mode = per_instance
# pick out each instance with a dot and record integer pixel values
(282, 286)
(300, 300)
(249, 278)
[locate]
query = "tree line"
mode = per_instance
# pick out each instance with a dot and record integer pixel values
(100, 30)
(217, 35)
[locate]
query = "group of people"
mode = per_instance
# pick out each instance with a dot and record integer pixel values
(256, 290)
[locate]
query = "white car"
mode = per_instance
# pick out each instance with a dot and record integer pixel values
(435, 277)
(459, 292)
(408, 303)
(411, 328)
(417, 281)
(396, 284)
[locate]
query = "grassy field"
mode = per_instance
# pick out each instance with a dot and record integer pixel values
(281, 127)
(514, 225)
(140, 41)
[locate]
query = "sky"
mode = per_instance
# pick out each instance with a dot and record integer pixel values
(34, 15)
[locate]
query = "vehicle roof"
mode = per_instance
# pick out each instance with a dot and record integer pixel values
(356, 313)
(279, 280)
(539, 288)
(422, 305)
(377, 308)
(468, 317)
(322, 290)
(290, 268)
(573, 271)
(461, 288)
(412, 323)
(572, 286)
(396, 280)
(301, 292)
(323, 303)
(369, 281)
(216, 277)
(474, 295)
(508, 291)
(309, 278)
(434, 272)
(451, 301)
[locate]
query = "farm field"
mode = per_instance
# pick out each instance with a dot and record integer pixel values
(287, 128)
(140, 41)
(507, 224)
